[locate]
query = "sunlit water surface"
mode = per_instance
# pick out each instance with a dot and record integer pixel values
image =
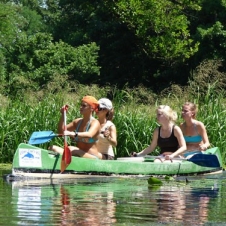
(113, 201)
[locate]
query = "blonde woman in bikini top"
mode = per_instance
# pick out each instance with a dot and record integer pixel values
(193, 130)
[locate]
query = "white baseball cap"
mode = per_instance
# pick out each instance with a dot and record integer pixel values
(105, 103)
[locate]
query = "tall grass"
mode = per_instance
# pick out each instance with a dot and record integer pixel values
(135, 116)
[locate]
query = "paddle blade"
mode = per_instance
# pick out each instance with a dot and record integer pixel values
(66, 159)
(41, 137)
(67, 155)
(205, 160)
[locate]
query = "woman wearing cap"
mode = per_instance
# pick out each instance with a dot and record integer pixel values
(84, 131)
(107, 138)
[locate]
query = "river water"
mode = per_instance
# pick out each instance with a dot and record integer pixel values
(113, 201)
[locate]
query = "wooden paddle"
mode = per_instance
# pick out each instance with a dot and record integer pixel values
(66, 158)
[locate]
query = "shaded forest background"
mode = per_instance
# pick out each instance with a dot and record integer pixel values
(153, 43)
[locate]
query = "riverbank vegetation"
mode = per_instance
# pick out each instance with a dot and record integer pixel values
(135, 115)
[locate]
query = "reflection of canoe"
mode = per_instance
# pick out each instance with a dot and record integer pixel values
(100, 184)
(32, 161)
(106, 200)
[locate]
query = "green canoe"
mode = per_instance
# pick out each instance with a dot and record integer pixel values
(32, 161)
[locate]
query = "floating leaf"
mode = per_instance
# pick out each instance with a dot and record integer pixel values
(154, 181)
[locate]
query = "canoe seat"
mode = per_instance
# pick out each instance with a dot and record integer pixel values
(132, 159)
(136, 159)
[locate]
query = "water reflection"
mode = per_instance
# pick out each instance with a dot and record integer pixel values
(90, 208)
(30, 204)
(113, 201)
(171, 204)
(29, 199)
(184, 204)
(198, 205)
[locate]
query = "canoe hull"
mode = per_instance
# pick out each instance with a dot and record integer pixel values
(33, 161)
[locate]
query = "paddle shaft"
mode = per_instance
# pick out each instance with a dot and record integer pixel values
(66, 158)
(65, 124)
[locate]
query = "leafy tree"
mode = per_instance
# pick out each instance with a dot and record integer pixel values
(139, 40)
(35, 60)
(161, 26)
(210, 31)
(84, 21)
(132, 42)
(30, 58)
(10, 23)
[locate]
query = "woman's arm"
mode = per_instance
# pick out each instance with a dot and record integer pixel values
(182, 144)
(205, 139)
(61, 124)
(152, 146)
(111, 135)
(71, 126)
(92, 132)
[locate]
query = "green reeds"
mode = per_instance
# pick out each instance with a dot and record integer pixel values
(135, 117)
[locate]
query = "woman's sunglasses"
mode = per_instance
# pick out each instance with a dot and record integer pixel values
(101, 109)
(84, 105)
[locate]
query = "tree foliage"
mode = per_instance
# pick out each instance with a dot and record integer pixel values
(37, 59)
(162, 27)
(10, 23)
(133, 42)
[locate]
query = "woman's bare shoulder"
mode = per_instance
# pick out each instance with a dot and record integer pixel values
(199, 123)
(95, 121)
(156, 131)
(177, 128)
(76, 121)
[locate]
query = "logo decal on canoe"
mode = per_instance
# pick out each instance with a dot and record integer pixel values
(30, 157)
